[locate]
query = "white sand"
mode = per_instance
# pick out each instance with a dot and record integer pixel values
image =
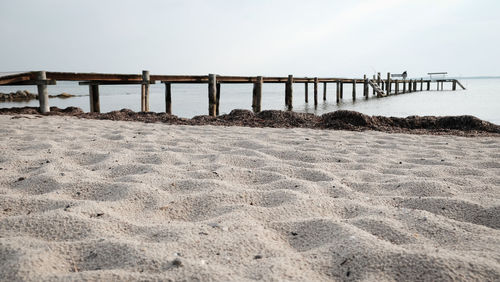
(122, 200)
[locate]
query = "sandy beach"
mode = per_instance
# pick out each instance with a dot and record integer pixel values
(108, 200)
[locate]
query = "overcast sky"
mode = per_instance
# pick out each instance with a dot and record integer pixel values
(252, 37)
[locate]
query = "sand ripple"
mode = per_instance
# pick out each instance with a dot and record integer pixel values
(103, 200)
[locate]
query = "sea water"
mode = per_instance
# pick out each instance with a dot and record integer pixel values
(481, 99)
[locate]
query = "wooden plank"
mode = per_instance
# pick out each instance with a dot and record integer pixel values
(181, 78)
(106, 82)
(32, 82)
(145, 91)
(316, 91)
(168, 98)
(74, 76)
(14, 80)
(289, 92)
(459, 84)
(212, 95)
(257, 94)
(43, 94)
(95, 106)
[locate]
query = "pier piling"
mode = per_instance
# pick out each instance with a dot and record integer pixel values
(289, 93)
(217, 99)
(365, 86)
(212, 95)
(145, 92)
(168, 98)
(43, 94)
(324, 91)
(354, 90)
(257, 94)
(316, 91)
(388, 83)
(95, 106)
(306, 89)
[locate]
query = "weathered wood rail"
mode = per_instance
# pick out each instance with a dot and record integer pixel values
(381, 87)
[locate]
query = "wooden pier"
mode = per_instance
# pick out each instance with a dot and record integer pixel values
(380, 87)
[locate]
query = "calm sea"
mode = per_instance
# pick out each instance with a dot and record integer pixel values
(481, 99)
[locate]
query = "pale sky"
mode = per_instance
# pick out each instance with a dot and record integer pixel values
(244, 37)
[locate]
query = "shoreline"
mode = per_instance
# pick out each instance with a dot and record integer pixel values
(339, 120)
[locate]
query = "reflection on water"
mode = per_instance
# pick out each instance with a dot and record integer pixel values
(481, 99)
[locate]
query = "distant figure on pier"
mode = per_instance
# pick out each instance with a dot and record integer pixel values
(404, 75)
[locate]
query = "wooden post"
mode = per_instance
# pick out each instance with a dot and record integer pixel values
(43, 94)
(379, 79)
(442, 85)
(404, 86)
(365, 86)
(316, 91)
(95, 106)
(437, 85)
(289, 93)
(324, 91)
(454, 85)
(428, 85)
(306, 87)
(396, 86)
(388, 86)
(338, 92)
(212, 95)
(421, 84)
(354, 90)
(341, 90)
(145, 91)
(373, 90)
(257, 94)
(217, 99)
(168, 98)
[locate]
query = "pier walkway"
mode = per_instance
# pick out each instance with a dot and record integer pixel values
(380, 87)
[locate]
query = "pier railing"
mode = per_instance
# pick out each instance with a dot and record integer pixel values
(381, 87)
